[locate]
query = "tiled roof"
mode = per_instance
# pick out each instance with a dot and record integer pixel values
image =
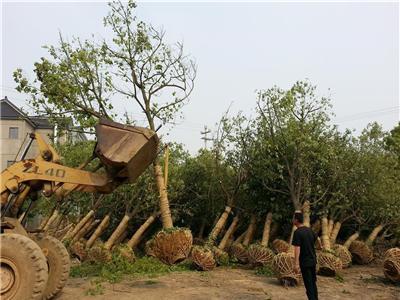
(41, 122)
(8, 111)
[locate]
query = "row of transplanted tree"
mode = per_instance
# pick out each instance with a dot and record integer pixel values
(286, 156)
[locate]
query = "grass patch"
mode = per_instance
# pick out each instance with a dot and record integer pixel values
(118, 267)
(339, 278)
(266, 271)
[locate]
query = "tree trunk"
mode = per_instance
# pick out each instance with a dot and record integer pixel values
(62, 232)
(60, 221)
(166, 159)
(215, 221)
(90, 230)
(229, 233)
(371, 238)
(331, 222)
(250, 230)
(79, 226)
(121, 238)
(201, 230)
(166, 217)
(21, 217)
(53, 227)
(325, 237)
(291, 234)
(316, 227)
(306, 213)
(117, 232)
(220, 224)
(295, 199)
(240, 238)
(267, 226)
(135, 239)
(99, 230)
(335, 232)
(274, 231)
(57, 224)
(68, 232)
(50, 221)
(83, 230)
(46, 220)
(351, 238)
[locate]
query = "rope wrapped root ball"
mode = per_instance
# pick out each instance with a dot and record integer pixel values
(171, 246)
(280, 246)
(125, 252)
(221, 257)
(344, 254)
(391, 265)
(203, 258)
(361, 252)
(99, 254)
(329, 264)
(78, 249)
(260, 255)
(283, 265)
(238, 252)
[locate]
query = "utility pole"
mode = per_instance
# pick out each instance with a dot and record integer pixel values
(205, 136)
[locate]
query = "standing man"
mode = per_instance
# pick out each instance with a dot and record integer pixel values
(305, 258)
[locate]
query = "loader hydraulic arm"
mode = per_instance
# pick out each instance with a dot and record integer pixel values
(34, 172)
(124, 153)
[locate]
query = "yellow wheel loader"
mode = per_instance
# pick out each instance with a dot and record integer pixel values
(36, 266)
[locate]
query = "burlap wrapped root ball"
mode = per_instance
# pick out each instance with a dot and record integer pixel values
(280, 246)
(221, 257)
(361, 252)
(99, 254)
(391, 265)
(329, 264)
(344, 254)
(78, 249)
(260, 255)
(283, 265)
(125, 252)
(238, 252)
(171, 246)
(203, 258)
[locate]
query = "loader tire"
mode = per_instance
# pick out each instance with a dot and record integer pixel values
(58, 262)
(23, 268)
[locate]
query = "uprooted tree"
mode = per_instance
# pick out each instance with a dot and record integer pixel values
(81, 80)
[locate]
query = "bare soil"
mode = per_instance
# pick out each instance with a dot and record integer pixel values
(359, 282)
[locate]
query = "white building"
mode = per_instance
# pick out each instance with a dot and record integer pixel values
(15, 129)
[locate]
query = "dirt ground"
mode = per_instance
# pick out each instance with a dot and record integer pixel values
(360, 282)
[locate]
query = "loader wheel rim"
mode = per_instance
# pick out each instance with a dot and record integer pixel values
(9, 276)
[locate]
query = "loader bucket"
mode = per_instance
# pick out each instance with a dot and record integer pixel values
(125, 151)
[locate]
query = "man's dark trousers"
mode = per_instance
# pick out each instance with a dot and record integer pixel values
(310, 281)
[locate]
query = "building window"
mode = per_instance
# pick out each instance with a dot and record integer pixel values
(10, 162)
(13, 133)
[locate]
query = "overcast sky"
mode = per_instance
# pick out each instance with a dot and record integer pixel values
(349, 50)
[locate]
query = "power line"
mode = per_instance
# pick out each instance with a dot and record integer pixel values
(367, 114)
